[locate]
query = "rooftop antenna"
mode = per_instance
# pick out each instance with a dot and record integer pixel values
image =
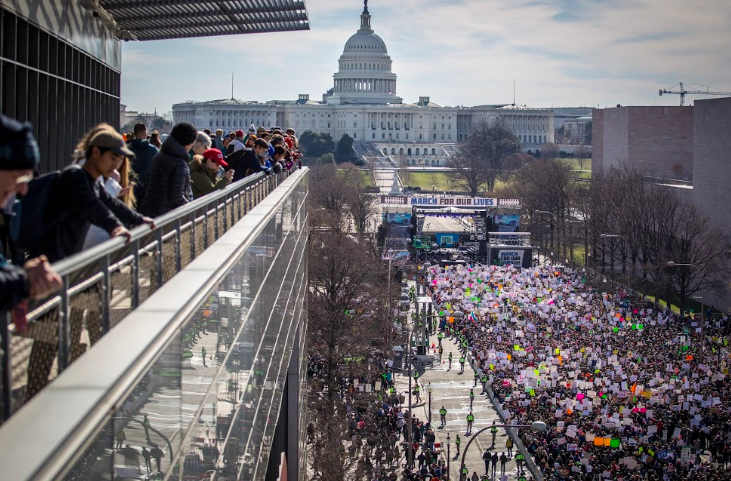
(232, 85)
(513, 92)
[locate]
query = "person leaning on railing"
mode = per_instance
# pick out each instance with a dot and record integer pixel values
(18, 159)
(203, 173)
(168, 184)
(80, 200)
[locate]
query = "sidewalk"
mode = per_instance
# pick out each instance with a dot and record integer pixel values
(451, 390)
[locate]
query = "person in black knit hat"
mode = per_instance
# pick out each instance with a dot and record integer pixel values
(18, 159)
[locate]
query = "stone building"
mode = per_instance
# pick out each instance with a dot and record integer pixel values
(363, 103)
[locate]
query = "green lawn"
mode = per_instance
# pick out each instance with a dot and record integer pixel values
(574, 163)
(367, 180)
(439, 181)
(429, 180)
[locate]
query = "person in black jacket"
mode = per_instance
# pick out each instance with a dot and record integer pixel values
(79, 199)
(168, 184)
(18, 158)
(144, 153)
(249, 161)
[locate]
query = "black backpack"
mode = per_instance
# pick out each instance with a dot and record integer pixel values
(30, 224)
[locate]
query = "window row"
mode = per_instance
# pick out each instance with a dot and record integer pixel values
(408, 151)
(364, 66)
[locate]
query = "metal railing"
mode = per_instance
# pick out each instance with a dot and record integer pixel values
(106, 282)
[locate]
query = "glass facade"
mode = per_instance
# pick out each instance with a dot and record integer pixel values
(62, 89)
(225, 400)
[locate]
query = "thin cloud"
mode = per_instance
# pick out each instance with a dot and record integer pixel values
(463, 52)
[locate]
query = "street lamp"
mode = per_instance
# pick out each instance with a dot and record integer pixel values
(617, 236)
(536, 426)
(428, 391)
(449, 456)
(703, 308)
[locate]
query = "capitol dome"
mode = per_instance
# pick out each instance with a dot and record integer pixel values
(364, 75)
(365, 41)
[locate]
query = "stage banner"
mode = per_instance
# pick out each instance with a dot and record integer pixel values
(511, 257)
(454, 201)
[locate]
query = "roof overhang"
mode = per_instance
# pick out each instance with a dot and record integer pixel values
(171, 19)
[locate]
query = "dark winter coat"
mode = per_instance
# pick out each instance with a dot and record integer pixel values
(80, 200)
(168, 184)
(144, 153)
(245, 162)
(14, 285)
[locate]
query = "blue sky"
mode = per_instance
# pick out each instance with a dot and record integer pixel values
(458, 52)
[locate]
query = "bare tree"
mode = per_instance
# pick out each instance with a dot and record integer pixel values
(341, 280)
(582, 154)
(468, 172)
(705, 248)
(334, 189)
(550, 151)
(547, 185)
(480, 160)
(677, 169)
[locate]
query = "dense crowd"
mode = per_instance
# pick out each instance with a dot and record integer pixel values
(376, 428)
(111, 184)
(623, 384)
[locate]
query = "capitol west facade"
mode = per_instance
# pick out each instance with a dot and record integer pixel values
(363, 104)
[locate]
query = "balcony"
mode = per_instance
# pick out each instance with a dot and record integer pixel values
(190, 353)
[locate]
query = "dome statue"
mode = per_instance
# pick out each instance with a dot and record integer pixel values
(364, 75)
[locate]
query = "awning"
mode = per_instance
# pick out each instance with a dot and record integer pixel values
(169, 19)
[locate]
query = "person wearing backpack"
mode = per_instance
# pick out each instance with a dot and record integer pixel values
(77, 200)
(18, 159)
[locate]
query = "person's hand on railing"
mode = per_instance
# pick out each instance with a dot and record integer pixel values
(149, 221)
(122, 232)
(42, 280)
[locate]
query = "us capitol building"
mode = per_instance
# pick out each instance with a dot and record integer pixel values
(364, 104)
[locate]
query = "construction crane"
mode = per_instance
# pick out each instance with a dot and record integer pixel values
(682, 92)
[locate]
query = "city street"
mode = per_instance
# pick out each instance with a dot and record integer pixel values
(451, 390)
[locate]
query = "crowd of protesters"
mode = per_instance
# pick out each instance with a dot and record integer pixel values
(112, 183)
(628, 389)
(376, 427)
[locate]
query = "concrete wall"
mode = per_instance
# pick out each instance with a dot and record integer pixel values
(652, 138)
(660, 137)
(610, 138)
(597, 143)
(712, 160)
(712, 168)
